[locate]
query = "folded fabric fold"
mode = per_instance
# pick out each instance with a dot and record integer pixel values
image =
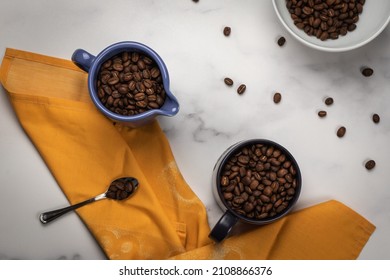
(165, 219)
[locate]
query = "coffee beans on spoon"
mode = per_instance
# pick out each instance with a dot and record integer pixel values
(120, 189)
(130, 83)
(258, 181)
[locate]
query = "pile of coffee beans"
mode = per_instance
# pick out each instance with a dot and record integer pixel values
(130, 83)
(121, 189)
(325, 19)
(258, 181)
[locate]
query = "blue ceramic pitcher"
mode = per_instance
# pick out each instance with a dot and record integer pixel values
(92, 64)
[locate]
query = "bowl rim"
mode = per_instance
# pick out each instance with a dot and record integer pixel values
(329, 49)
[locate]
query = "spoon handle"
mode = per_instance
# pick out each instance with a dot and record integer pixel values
(49, 216)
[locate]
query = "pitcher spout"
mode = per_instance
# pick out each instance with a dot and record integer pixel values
(171, 105)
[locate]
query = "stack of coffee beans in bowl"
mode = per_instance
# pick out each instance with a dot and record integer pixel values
(130, 83)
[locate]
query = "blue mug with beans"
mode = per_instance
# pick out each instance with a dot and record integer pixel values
(128, 82)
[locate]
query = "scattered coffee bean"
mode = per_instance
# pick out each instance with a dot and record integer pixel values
(281, 41)
(227, 30)
(329, 101)
(196, 1)
(322, 114)
(120, 189)
(241, 89)
(325, 19)
(370, 164)
(277, 97)
(341, 131)
(258, 181)
(367, 71)
(228, 81)
(130, 83)
(376, 118)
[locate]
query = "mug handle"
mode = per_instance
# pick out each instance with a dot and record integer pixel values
(83, 59)
(223, 227)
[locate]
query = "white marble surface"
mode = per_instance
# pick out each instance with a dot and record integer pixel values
(189, 38)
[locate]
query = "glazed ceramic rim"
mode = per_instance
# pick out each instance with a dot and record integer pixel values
(236, 148)
(328, 49)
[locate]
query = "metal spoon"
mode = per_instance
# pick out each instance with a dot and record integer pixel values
(119, 189)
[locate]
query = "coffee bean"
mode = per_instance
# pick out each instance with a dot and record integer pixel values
(113, 80)
(227, 30)
(277, 97)
(325, 19)
(258, 181)
(155, 73)
(281, 41)
(267, 191)
(329, 101)
(376, 118)
(134, 56)
(280, 208)
(370, 164)
(120, 189)
(248, 207)
(241, 89)
(341, 131)
(367, 71)
(322, 114)
(125, 79)
(228, 81)
(254, 184)
(228, 195)
(224, 181)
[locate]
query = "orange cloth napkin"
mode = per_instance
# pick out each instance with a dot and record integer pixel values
(164, 219)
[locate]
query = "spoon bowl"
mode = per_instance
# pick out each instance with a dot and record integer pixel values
(119, 189)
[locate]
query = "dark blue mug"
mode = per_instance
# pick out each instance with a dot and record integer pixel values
(92, 64)
(230, 218)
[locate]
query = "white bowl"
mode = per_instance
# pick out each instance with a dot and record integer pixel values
(372, 21)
